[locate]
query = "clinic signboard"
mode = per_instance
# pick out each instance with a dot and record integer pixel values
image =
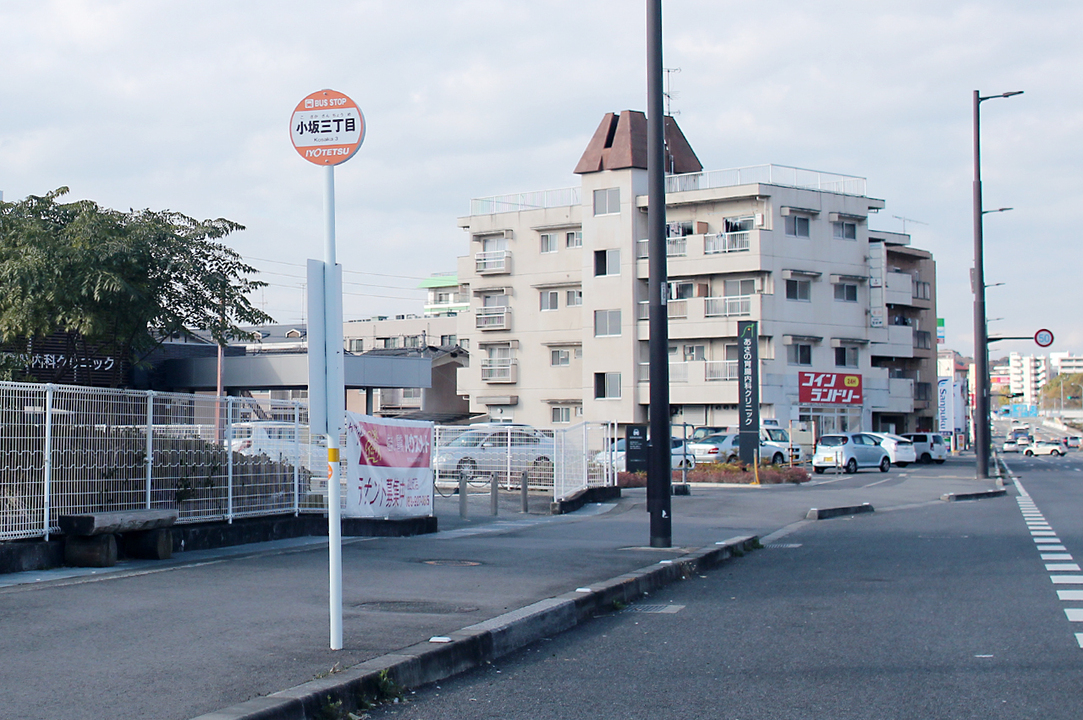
(748, 377)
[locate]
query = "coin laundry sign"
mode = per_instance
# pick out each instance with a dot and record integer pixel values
(829, 388)
(327, 127)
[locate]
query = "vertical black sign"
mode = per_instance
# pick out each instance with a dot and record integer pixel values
(635, 448)
(748, 407)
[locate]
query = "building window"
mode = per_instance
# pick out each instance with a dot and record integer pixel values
(560, 358)
(607, 386)
(575, 298)
(549, 299)
(549, 242)
(607, 202)
(737, 224)
(846, 292)
(606, 323)
(923, 391)
(694, 352)
(578, 353)
(447, 340)
(846, 357)
(923, 340)
(736, 288)
(799, 354)
(796, 226)
(681, 290)
(562, 415)
(607, 262)
(678, 229)
(573, 238)
(799, 290)
(411, 393)
(413, 341)
(355, 345)
(844, 230)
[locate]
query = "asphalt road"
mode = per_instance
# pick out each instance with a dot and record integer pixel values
(175, 639)
(941, 610)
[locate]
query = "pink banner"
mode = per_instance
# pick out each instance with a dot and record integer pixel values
(388, 467)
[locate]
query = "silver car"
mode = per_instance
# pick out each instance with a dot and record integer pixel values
(496, 450)
(849, 452)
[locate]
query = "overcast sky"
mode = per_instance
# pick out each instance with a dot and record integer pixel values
(186, 106)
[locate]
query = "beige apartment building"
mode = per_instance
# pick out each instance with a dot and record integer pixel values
(557, 288)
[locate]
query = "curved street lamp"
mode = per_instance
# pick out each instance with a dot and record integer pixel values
(981, 335)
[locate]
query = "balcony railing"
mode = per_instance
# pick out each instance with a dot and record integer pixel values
(768, 175)
(726, 242)
(676, 247)
(677, 309)
(678, 372)
(516, 202)
(493, 318)
(732, 306)
(499, 370)
(495, 261)
(722, 370)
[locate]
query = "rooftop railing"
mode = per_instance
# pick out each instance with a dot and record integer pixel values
(768, 175)
(517, 202)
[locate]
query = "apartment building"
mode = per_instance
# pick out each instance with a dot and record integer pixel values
(1028, 374)
(557, 285)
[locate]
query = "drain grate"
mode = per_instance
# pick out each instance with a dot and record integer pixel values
(664, 609)
(782, 546)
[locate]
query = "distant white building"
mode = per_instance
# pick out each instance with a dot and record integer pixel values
(1028, 375)
(1067, 363)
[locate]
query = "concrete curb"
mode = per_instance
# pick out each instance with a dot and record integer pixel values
(954, 497)
(825, 513)
(354, 688)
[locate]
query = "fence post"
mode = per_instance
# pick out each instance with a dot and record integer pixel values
(48, 479)
(462, 495)
(523, 491)
(229, 459)
(150, 442)
(297, 459)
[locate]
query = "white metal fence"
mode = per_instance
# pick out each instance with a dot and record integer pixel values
(68, 449)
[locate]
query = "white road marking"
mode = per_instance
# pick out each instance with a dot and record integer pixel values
(1070, 595)
(1055, 556)
(1074, 614)
(1046, 540)
(1042, 533)
(1067, 579)
(1079, 639)
(1054, 548)
(1062, 567)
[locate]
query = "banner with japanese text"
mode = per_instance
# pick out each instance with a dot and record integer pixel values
(815, 388)
(388, 467)
(748, 390)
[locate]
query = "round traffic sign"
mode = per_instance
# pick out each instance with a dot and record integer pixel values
(327, 127)
(1044, 337)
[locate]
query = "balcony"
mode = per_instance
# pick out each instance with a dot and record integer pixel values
(782, 175)
(493, 318)
(731, 306)
(499, 370)
(717, 370)
(517, 202)
(726, 242)
(494, 262)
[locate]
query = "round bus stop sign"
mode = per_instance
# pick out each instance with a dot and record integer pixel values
(327, 127)
(1043, 337)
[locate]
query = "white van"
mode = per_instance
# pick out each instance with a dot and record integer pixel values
(928, 447)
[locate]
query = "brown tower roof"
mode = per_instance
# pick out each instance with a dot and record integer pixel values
(621, 142)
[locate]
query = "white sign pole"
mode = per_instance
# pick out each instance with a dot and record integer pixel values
(326, 129)
(333, 339)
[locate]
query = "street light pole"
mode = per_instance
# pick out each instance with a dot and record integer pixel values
(981, 334)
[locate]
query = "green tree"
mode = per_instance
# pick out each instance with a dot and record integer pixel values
(1064, 387)
(116, 282)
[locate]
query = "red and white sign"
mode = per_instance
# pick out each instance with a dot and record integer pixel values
(388, 467)
(327, 127)
(1044, 338)
(828, 388)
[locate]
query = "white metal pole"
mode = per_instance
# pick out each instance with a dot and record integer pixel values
(150, 443)
(297, 459)
(47, 490)
(334, 507)
(229, 459)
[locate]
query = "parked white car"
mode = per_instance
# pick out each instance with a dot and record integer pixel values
(929, 447)
(680, 455)
(494, 450)
(899, 449)
(727, 448)
(849, 452)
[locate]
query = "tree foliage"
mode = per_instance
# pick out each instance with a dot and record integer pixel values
(118, 282)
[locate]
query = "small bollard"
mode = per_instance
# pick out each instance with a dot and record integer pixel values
(462, 495)
(523, 490)
(494, 494)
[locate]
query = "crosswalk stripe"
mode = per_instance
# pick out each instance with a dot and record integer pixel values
(1067, 579)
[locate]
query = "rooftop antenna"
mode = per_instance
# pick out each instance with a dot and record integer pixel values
(906, 220)
(668, 94)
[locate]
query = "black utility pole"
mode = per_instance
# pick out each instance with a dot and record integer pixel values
(981, 330)
(659, 469)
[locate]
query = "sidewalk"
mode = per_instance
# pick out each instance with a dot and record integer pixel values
(209, 630)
